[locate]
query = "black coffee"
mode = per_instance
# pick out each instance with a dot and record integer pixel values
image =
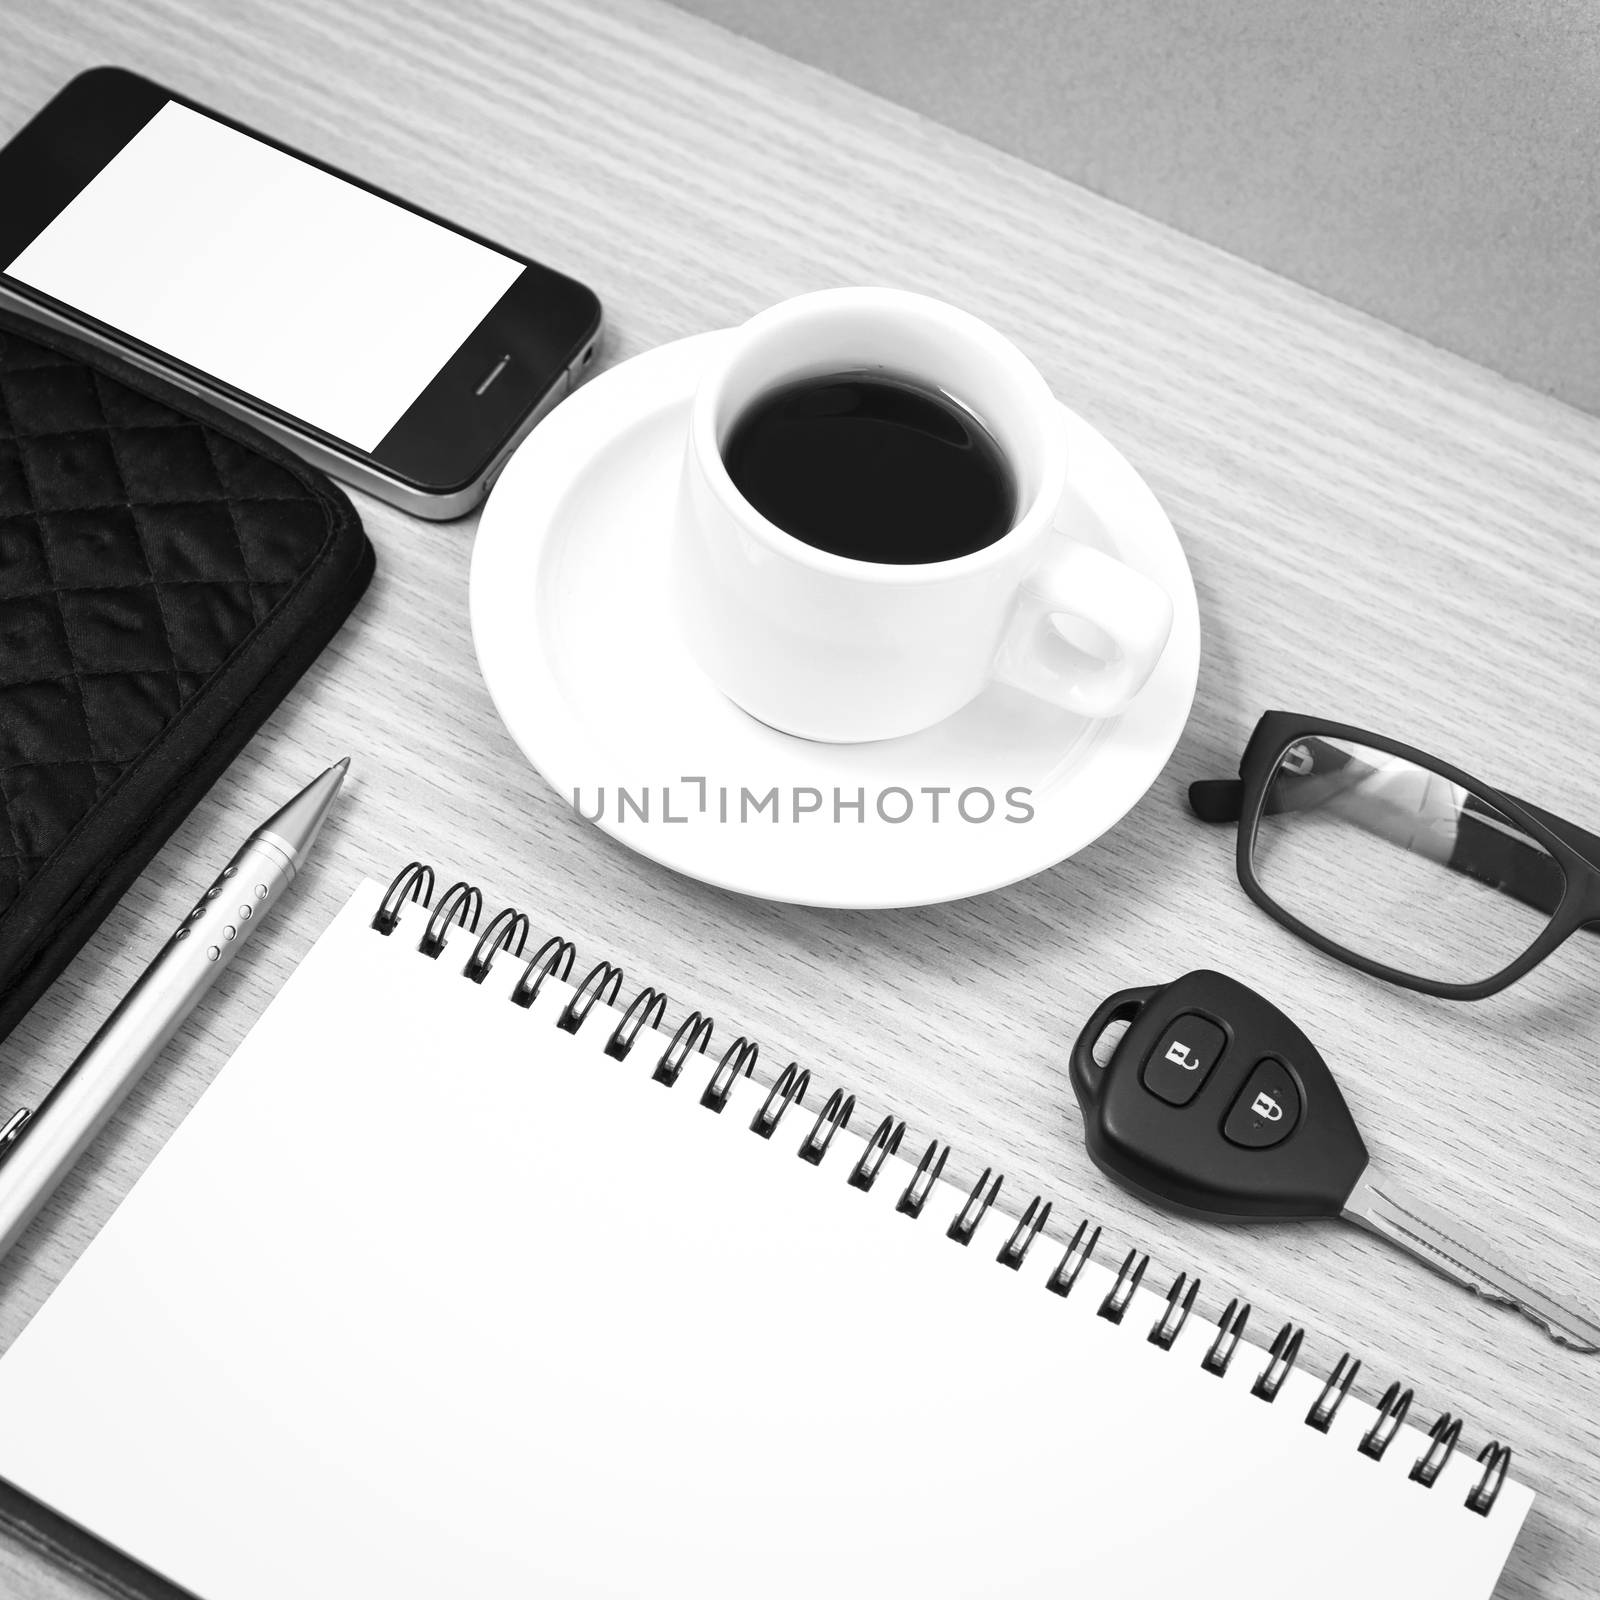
(872, 467)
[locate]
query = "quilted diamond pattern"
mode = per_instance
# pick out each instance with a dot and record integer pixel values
(138, 550)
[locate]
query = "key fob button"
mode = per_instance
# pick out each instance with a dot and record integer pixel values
(1183, 1058)
(1266, 1110)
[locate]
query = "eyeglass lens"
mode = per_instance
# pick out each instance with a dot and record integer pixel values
(1397, 863)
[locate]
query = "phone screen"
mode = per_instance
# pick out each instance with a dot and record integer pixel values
(310, 293)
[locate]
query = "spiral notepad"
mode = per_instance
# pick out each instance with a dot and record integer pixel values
(467, 1278)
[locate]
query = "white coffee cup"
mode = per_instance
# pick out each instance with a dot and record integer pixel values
(836, 649)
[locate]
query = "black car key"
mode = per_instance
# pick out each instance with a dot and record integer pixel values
(1214, 1103)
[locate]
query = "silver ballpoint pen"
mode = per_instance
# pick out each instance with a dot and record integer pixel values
(37, 1148)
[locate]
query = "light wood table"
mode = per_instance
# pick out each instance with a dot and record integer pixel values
(1378, 531)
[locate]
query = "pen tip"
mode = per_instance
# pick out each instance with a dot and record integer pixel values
(342, 765)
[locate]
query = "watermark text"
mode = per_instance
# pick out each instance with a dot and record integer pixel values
(693, 799)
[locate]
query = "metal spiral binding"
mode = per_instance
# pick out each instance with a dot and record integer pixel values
(647, 1009)
(1071, 1264)
(694, 1034)
(1118, 1297)
(1442, 1438)
(1392, 1409)
(1326, 1406)
(1029, 1226)
(504, 927)
(415, 881)
(461, 902)
(971, 1213)
(602, 983)
(910, 1203)
(1230, 1330)
(788, 1089)
(553, 959)
(508, 930)
(884, 1143)
(738, 1061)
(1496, 1459)
(1282, 1356)
(1179, 1305)
(831, 1118)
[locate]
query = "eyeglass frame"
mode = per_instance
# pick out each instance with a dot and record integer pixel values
(1575, 850)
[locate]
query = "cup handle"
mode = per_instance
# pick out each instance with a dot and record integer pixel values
(1087, 631)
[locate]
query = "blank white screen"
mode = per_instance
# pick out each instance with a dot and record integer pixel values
(282, 280)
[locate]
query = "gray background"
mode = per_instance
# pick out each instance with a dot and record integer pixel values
(1434, 162)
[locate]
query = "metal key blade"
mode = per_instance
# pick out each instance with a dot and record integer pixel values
(1442, 1243)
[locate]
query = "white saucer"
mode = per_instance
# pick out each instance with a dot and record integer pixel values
(577, 636)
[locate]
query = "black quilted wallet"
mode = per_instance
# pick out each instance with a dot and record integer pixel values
(165, 577)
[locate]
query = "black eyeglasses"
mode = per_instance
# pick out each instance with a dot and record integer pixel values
(1400, 864)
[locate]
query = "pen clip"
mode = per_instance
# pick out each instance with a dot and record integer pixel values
(12, 1130)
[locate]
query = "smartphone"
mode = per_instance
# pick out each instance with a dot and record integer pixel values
(402, 354)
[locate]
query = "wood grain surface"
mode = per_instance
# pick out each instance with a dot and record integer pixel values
(1378, 531)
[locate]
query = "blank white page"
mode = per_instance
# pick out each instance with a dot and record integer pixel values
(430, 1297)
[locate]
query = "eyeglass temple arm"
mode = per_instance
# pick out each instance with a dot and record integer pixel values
(1216, 799)
(1481, 850)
